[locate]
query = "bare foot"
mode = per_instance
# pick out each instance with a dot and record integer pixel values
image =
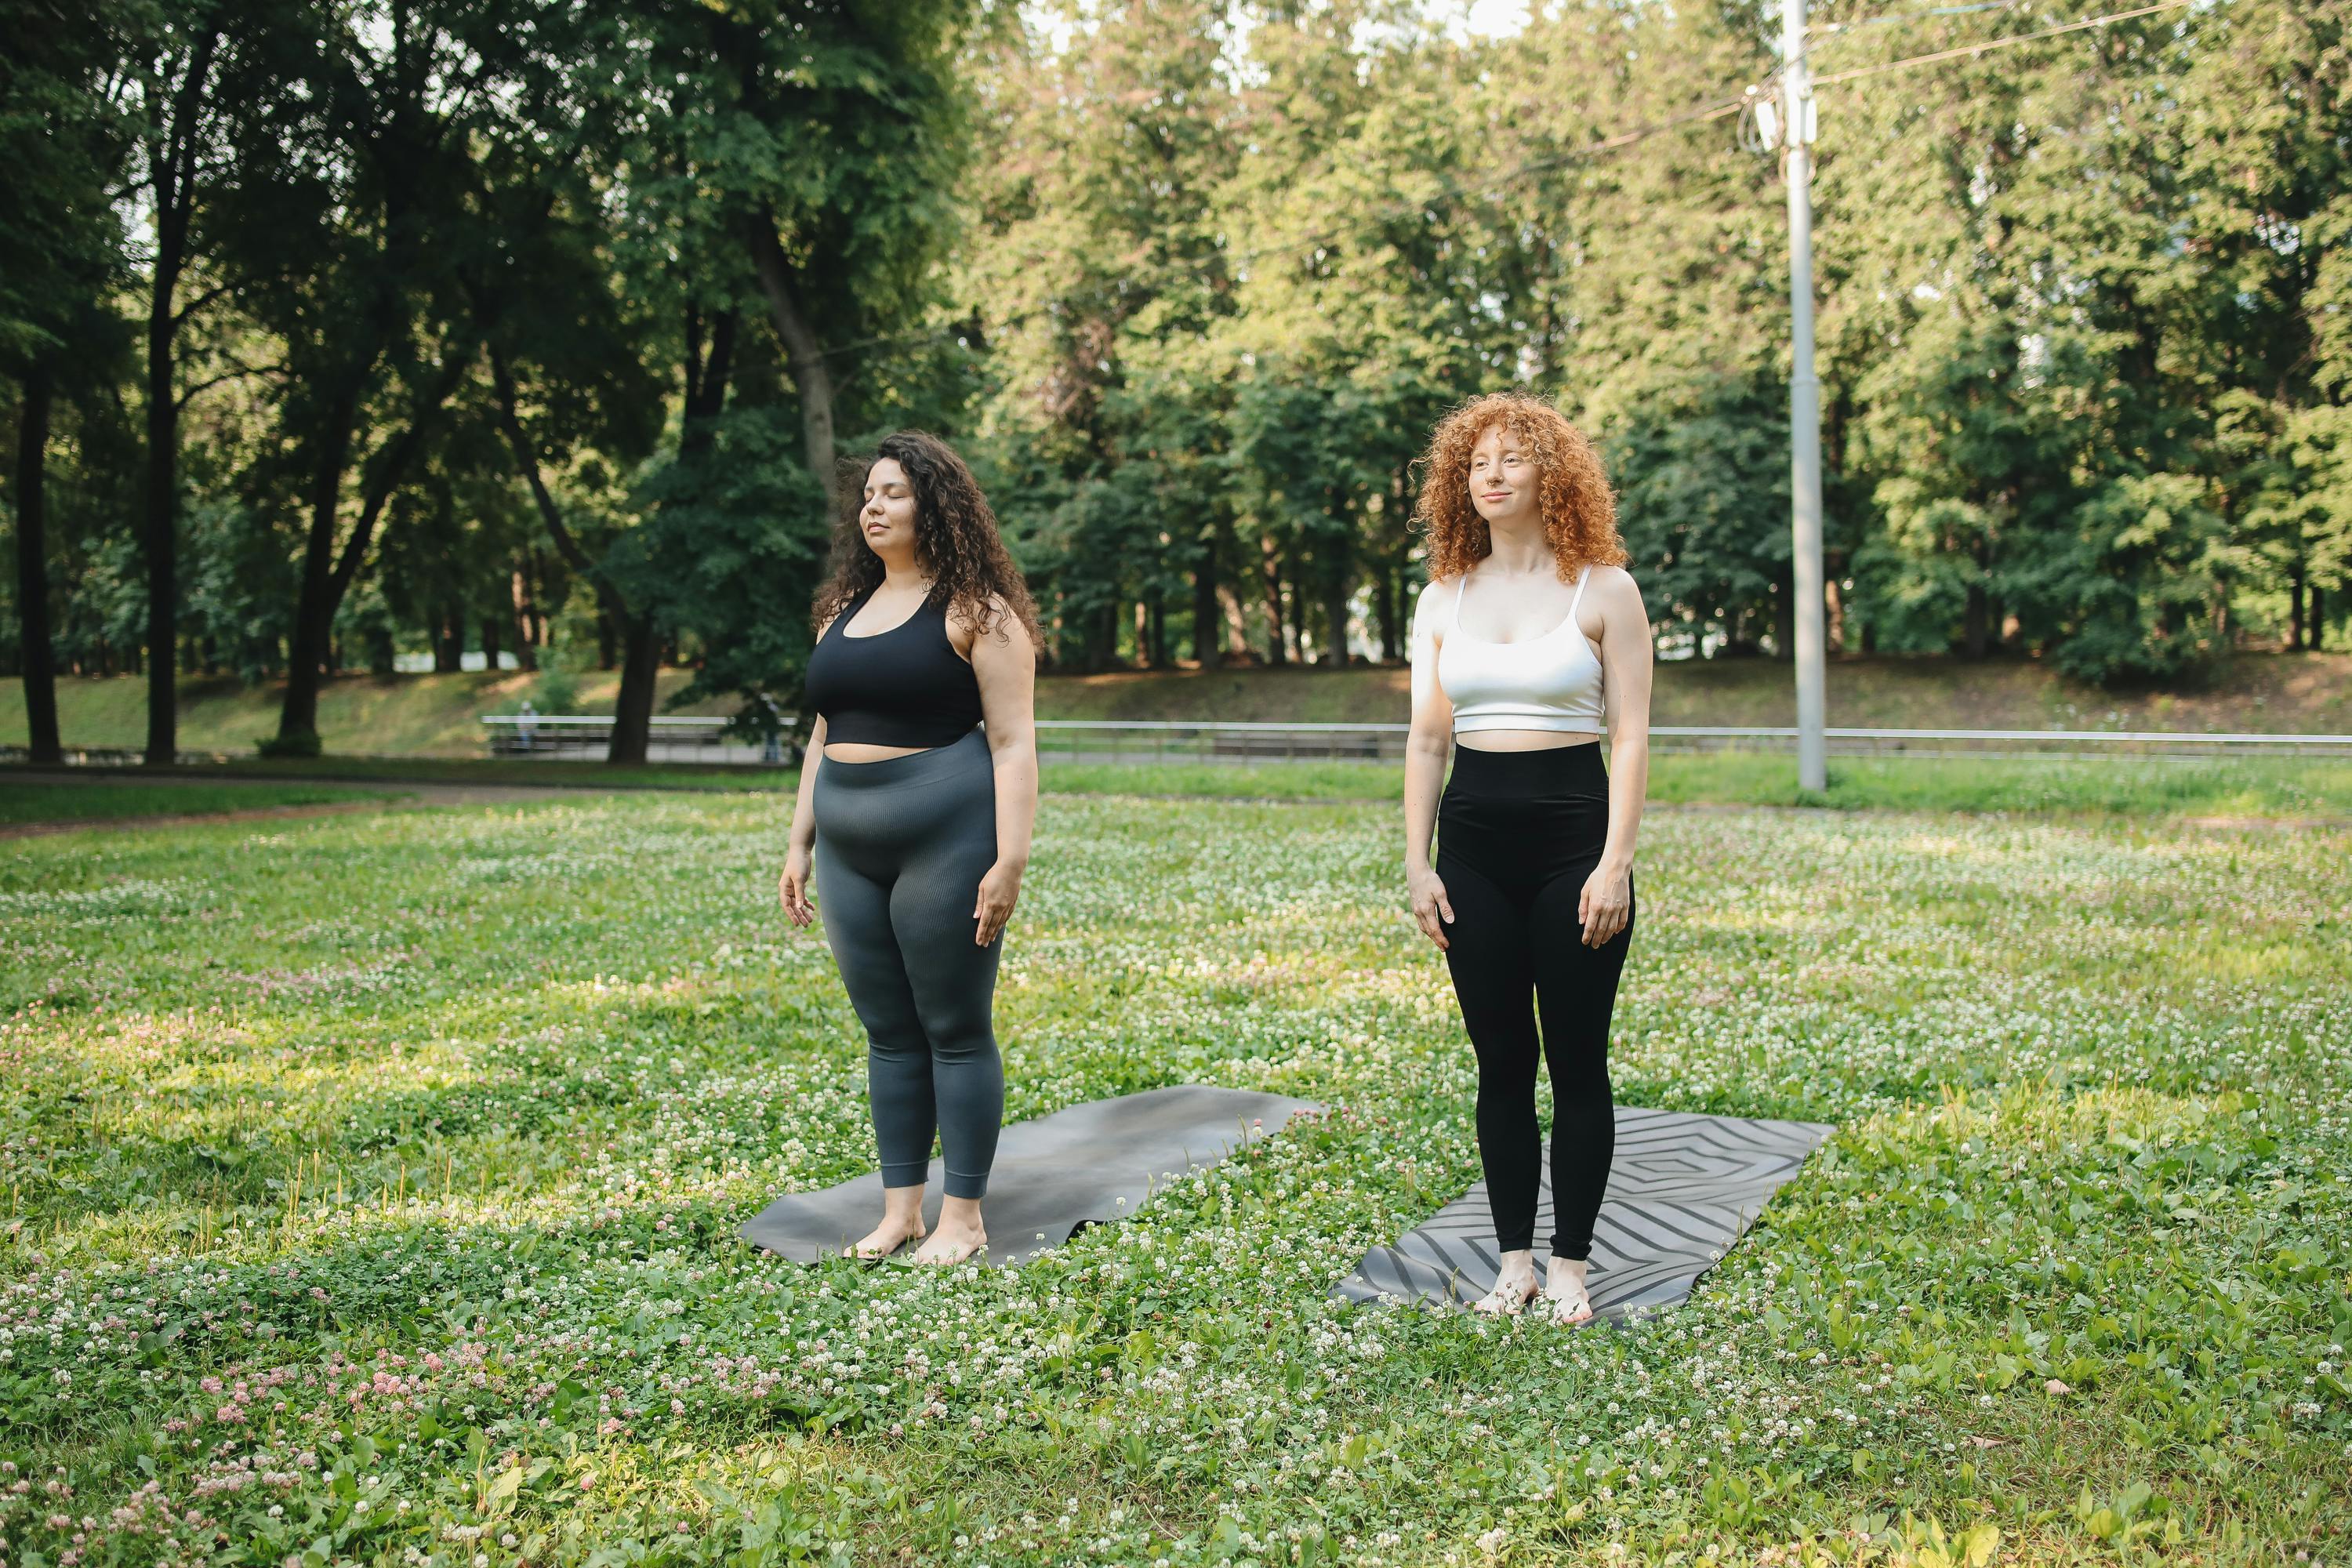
(893, 1232)
(1564, 1292)
(956, 1240)
(1515, 1287)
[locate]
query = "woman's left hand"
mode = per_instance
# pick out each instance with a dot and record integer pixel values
(999, 891)
(1604, 905)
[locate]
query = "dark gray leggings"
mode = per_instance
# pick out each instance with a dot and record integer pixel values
(901, 846)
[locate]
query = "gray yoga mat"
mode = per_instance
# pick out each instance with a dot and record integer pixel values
(1052, 1175)
(1682, 1188)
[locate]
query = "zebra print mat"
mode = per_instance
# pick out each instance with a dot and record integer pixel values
(1682, 1188)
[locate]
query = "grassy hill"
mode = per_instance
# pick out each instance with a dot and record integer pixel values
(2277, 693)
(436, 715)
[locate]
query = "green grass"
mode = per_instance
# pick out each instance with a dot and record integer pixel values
(2235, 787)
(100, 800)
(438, 715)
(2258, 787)
(400, 715)
(591, 776)
(2277, 692)
(396, 1159)
(2230, 787)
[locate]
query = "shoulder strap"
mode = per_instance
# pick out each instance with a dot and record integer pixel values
(848, 612)
(1580, 578)
(1454, 622)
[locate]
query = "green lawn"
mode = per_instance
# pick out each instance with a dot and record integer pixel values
(371, 1185)
(2234, 786)
(105, 798)
(2231, 786)
(592, 776)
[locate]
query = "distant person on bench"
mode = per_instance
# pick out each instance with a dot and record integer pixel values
(527, 723)
(919, 821)
(1530, 633)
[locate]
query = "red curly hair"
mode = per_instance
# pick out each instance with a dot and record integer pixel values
(1572, 492)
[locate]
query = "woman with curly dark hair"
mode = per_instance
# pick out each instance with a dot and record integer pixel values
(919, 822)
(1531, 899)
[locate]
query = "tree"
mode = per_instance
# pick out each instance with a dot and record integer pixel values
(380, 329)
(56, 263)
(1104, 269)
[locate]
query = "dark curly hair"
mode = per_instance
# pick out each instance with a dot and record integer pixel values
(956, 539)
(1572, 492)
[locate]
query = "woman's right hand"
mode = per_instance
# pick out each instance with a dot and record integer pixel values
(1430, 906)
(792, 888)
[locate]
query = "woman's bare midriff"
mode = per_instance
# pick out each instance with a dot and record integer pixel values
(1512, 739)
(859, 751)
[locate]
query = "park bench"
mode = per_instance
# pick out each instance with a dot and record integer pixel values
(586, 734)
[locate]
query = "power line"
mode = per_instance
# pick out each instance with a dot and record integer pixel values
(1832, 29)
(1512, 176)
(1992, 44)
(1723, 107)
(1698, 115)
(1241, 260)
(1831, 32)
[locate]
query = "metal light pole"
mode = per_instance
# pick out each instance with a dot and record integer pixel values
(1804, 402)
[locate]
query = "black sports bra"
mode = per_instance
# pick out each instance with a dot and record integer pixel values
(904, 687)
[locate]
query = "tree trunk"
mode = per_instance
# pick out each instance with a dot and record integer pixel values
(2294, 610)
(1384, 611)
(1977, 627)
(1336, 589)
(1297, 599)
(297, 716)
(811, 378)
(449, 640)
(327, 576)
(1229, 600)
(2318, 620)
(491, 634)
(632, 709)
(1208, 634)
(172, 177)
(526, 641)
(1104, 653)
(159, 536)
(42, 743)
(706, 394)
(1274, 616)
(606, 657)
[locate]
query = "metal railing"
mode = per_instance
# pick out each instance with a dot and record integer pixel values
(1119, 740)
(1141, 740)
(586, 736)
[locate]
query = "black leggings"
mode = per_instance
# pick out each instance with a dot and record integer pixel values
(901, 846)
(1518, 832)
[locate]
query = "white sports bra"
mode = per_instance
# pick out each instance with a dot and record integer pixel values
(1551, 682)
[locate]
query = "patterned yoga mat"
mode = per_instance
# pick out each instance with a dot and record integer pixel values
(1682, 1189)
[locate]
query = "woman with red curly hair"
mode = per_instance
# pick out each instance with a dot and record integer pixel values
(1530, 638)
(915, 822)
